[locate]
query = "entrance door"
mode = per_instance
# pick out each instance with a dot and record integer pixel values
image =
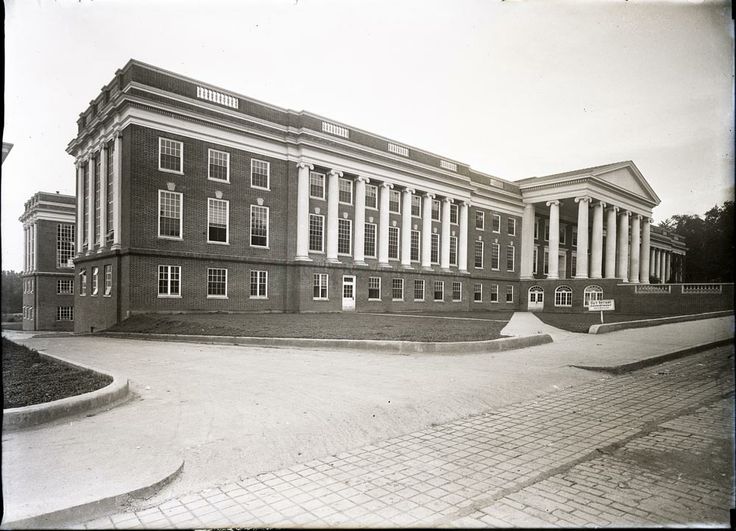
(536, 299)
(348, 293)
(563, 264)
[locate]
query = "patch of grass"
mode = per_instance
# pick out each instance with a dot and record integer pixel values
(29, 378)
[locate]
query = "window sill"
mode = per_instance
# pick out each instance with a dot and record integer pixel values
(221, 181)
(317, 198)
(178, 238)
(217, 296)
(259, 246)
(218, 243)
(169, 296)
(344, 203)
(258, 298)
(418, 300)
(320, 299)
(374, 300)
(176, 172)
(397, 300)
(260, 188)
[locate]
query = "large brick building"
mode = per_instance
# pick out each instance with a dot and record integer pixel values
(194, 198)
(48, 268)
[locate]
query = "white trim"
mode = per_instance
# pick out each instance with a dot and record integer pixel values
(350, 235)
(475, 292)
(482, 253)
(258, 279)
(512, 221)
(496, 246)
(209, 164)
(181, 216)
(392, 193)
(208, 282)
(227, 220)
(513, 257)
(401, 280)
(339, 191)
(512, 294)
(326, 286)
(424, 290)
(454, 208)
(375, 240)
(419, 245)
(168, 294)
(379, 289)
(367, 206)
(324, 185)
(493, 222)
(268, 174)
(434, 290)
(398, 243)
(180, 171)
(483, 219)
(309, 233)
(268, 227)
(455, 283)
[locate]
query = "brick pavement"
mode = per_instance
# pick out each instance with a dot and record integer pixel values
(595, 454)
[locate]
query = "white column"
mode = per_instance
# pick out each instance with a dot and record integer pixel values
(611, 242)
(359, 229)
(80, 206)
(657, 262)
(652, 262)
(660, 266)
(623, 246)
(445, 255)
(668, 266)
(383, 219)
(117, 193)
(582, 265)
(406, 228)
(644, 252)
(635, 248)
(462, 242)
(91, 205)
(333, 195)
(554, 239)
(427, 231)
(527, 242)
(102, 237)
(302, 211)
(596, 250)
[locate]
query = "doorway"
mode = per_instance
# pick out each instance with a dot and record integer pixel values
(348, 293)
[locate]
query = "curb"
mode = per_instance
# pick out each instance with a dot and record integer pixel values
(401, 347)
(641, 323)
(656, 360)
(93, 509)
(25, 417)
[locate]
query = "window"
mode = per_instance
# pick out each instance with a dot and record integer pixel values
(574, 236)
(110, 236)
(457, 291)
(573, 264)
(393, 243)
(374, 288)
(435, 250)
(369, 249)
(345, 194)
(435, 210)
(169, 281)
(108, 280)
(98, 203)
(218, 166)
(535, 260)
(546, 261)
(477, 292)
(494, 292)
(418, 290)
(480, 219)
(344, 236)
(259, 226)
(316, 185)
(218, 220)
(316, 233)
(64, 245)
(258, 284)
(394, 201)
(453, 213)
(397, 289)
(510, 294)
(453, 250)
(592, 293)
(85, 204)
(170, 155)
(371, 196)
(536, 228)
(546, 230)
(510, 253)
(563, 296)
(416, 206)
(65, 287)
(415, 239)
(496, 223)
(320, 287)
(216, 283)
(83, 282)
(563, 233)
(95, 280)
(439, 290)
(65, 313)
(495, 256)
(169, 214)
(478, 254)
(260, 174)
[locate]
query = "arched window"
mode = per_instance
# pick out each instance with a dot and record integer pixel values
(592, 293)
(536, 294)
(563, 296)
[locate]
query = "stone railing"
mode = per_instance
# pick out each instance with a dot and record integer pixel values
(701, 288)
(652, 288)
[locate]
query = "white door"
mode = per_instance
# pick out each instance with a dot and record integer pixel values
(536, 299)
(348, 293)
(563, 264)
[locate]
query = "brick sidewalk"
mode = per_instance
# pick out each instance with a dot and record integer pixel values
(581, 456)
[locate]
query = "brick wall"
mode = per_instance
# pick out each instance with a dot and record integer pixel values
(96, 311)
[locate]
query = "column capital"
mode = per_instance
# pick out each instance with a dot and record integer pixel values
(335, 172)
(626, 213)
(302, 165)
(583, 199)
(390, 186)
(637, 216)
(601, 204)
(555, 202)
(465, 203)
(362, 178)
(409, 190)
(448, 200)
(613, 208)
(430, 195)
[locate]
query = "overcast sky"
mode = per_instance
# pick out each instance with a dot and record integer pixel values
(515, 89)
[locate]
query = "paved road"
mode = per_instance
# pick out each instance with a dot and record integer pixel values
(648, 448)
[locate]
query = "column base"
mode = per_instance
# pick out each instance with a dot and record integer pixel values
(645, 282)
(101, 249)
(551, 277)
(427, 268)
(581, 277)
(115, 246)
(526, 277)
(463, 271)
(333, 261)
(360, 263)
(385, 265)
(406, 266)
(445, 270)
(302, 259)
(633, 282)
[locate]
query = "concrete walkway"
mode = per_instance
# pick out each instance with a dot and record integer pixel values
(233, 412)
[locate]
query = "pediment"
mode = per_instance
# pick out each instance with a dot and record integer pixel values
(628, 177)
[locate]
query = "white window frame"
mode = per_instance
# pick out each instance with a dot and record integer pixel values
(535, 260)
(496, 217)
(321, 284)
(340, 183)
(375, 241)
(208, 283)
(494, 293)
(567, 291)
(454, 247)
(315, 174)
(478, 292)
(482, 220)
(442, 289)
(268, 174)
(475, 253)
(536, 227)
(509, 290)
(268, 227)
(393, 287)
(107, 268)
(513, 257)
(65, 313)
(418, 247)
(69, 282)
(95, 281)
(210, 201)
(210, 151)
(258, 274)
(169, 269)
(322, 238)
(415, 290)
(497, 247)
(416, 201)
(397, 231)
(350, 236)
(435, 236)
(455, 283)
(391, 195)
(181, 215)
(512, 223)
(367, 196)
(454, 213)
(589, 291)
(64, 230)
(83, 282)
(180, 171)
(369, 288)
(574, 241)
(438, 204)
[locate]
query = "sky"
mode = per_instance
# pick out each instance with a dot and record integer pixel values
(513, 88)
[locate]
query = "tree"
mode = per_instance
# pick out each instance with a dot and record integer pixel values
(12, 292)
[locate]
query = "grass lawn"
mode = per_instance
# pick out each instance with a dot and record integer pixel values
(29, 378)
(581, 322)
(465, 326)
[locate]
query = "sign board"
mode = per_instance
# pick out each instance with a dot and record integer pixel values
(601, 305)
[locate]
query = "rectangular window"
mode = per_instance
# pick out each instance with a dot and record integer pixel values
(509, 293)
(65, 287)
(217, 283)
(510, 255)
(415, 239)
(374, 288)
(478, 293)
(574, 236)
(546, 230)
(453, 250)
(496, 223)
(169, 214)
(259, 225)
(573, 264)
(535, 260)
(83, 282)
(478, 254)
(511, 226)
(394, 201)
(345, 194)
(85, 204)
(434, 255)
(110, 236)
(494, 292)
(369, 247)
(218, 165)
(260, 174)
(439, 290)
(170, 155)
(495, 256)
(64, 245)
(95, 280)
(435, 210)
(418, 290)
(480, 219)
(416, 206)
(393, 243)
(108, 280)
(316, 233)
(371, 196)
(546, 261)
(563, 233)
(316, 185)
(536, 228)
(457, 291)
(218, 220)
(397, 289)
(169, 281)
(65, 313)
(344, 236)
(320, 287)
(258, 284)
(98, 202)
(453, 213)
